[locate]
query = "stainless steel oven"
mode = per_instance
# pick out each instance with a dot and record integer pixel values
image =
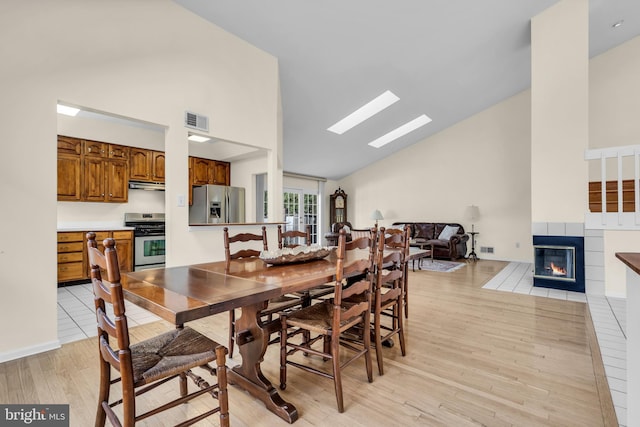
(149, 239)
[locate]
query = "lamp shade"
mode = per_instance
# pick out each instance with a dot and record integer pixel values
(472, 212)
(376, 215)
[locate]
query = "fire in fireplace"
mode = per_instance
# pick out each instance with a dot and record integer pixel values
(559, 262)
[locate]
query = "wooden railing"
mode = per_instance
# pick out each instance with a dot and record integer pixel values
(618, 206)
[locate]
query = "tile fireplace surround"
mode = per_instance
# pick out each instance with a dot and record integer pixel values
(593, 249)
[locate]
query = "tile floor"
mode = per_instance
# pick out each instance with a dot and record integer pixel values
(77, 318)
(609, 319)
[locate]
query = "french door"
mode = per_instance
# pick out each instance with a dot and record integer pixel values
(300, 210)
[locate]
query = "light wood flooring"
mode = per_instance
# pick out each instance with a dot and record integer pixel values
(474, 357)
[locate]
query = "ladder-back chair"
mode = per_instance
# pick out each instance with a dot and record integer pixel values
(145, 365)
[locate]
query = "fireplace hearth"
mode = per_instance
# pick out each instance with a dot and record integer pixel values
(559, 262)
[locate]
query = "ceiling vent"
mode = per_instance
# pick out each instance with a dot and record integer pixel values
(196, 121)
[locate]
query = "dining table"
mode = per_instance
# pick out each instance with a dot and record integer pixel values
(182, 294)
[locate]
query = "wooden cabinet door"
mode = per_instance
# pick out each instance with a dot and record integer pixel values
(200, 171)
(69, 171)
(157, 170)
(220, 173)
(124, 247)
(69, 145)
(94, 182)
(118, 152)
(117, 181)
(95, 149)
(139, 164)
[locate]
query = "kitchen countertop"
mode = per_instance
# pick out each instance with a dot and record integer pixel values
(92, 227)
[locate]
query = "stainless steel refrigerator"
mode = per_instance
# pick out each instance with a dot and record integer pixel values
(214, 204)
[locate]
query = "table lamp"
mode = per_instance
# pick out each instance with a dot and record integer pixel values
(376, 215)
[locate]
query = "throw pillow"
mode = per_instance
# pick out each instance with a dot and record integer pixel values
(346, 229)
(448, 232)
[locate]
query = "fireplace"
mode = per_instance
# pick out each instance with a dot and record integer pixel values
(559, 262)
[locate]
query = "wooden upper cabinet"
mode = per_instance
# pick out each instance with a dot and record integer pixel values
(118, 152)
(68, 145)
(69, 169)
(116, 181)
(200, 171)
(69, 177)
(220, 173)
(146, 165)
(94, 148)
(157, 166)
(93, 180)
(140, 164)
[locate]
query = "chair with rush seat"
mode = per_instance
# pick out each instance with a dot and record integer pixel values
(388, 297)
(329, 319)
(145, 365)
(275, 305)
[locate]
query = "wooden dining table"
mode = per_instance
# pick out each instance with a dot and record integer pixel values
(185, 293)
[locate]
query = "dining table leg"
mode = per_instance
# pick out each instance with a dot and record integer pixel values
(252, 338)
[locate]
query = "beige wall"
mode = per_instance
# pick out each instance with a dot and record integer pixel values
(559, 112)
(153, 65)
(484, 160)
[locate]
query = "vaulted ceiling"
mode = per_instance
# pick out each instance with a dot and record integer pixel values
(446, 59)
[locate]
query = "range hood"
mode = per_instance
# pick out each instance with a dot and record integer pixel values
(151, 186)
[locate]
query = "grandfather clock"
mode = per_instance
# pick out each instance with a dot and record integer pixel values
(338, 206)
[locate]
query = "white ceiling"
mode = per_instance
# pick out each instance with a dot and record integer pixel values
(447, 59)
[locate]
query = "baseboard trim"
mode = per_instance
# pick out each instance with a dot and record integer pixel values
(28, 351)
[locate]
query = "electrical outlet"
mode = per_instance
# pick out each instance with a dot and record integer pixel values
(517, 245)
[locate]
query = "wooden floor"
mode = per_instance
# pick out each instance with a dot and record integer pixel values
(474, 357)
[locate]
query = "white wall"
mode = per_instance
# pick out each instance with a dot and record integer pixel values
(137, 61)
(484, 160)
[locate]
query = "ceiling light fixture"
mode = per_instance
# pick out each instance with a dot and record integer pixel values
(401, 131)
(198, 138)
(67, 111)
(618, 24)
(363, 113)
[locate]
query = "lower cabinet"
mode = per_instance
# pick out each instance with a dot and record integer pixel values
(72, 252)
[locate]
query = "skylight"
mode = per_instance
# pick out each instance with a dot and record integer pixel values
(363, 113)
(67, 111)
(401, 131)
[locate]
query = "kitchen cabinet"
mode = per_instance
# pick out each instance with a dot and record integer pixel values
(69, 169)
(105, 180)
(92, 171)
(72, 252)
(207, 171)
(71, 256)
(146, 165)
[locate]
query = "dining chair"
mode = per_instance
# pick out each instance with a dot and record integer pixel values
(145, 365)
(388, 295)
(329, 319)
(274, 305)
(291, 239)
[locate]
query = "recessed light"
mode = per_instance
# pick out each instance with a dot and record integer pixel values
(618, 24)
(363, 113)
(198, 138)
(67, 111)
(401, 131)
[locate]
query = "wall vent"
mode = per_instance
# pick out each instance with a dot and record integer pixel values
(196, 121)
(486, 249)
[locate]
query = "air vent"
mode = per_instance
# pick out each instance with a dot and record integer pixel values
(486, 249)
(196, 121)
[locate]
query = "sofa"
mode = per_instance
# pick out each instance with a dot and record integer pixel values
(451, 245)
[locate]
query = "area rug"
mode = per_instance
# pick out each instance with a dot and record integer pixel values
(441, 266)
